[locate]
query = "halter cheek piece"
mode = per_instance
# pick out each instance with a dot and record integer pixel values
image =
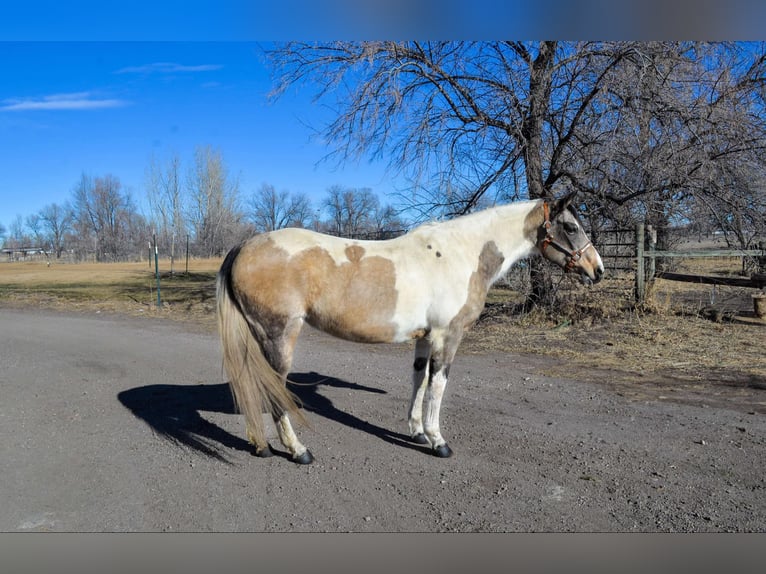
(574, 255)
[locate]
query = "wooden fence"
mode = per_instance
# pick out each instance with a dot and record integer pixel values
(617, 248)
(635, 251)
(646, 257)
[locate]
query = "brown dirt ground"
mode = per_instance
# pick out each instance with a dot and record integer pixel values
(148, 438)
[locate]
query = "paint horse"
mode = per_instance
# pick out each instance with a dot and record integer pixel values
(429, 285)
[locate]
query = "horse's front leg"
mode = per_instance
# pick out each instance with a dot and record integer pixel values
(419, 380)
(441, 359)
(436, 386)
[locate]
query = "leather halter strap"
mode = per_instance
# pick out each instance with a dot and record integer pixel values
(573, 255)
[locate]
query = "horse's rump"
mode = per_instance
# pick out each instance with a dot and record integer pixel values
(256, 386)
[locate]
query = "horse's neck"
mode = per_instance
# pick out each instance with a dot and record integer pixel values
(511, 227)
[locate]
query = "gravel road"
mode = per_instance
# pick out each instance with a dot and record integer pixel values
(126, 424)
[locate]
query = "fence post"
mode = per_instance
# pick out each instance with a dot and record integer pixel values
(652, 233)
(157, 271)
(640, 276)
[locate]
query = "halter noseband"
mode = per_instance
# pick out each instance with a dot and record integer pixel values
(574, 255)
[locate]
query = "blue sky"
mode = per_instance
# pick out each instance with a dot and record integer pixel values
(107, 108)
(99, 87)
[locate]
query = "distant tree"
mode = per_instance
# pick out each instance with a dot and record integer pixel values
(165, 194)
(104, 213)
(57, 223)
(269, 210)
(34, 224)
(387, 222)
(17, 237)
(351, 210)
(735, 205)
(3, 233)
(213, 211)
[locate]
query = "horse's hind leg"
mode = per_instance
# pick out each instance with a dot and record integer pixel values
(419, 382)
(299, 453)
(282, 358)
(261, 450)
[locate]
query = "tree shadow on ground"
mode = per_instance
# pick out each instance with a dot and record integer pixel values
(175, 413)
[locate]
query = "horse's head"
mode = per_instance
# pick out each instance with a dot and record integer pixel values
(561, 239)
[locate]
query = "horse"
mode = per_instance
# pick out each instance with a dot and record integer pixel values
(429, 285)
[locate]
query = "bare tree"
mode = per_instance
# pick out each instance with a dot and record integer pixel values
(270, 210)
(34, 224)
(735, 206)
(213, 203)
(679, 117)
(104, 213)
(166, 200)
(16, 236)
(352, 211)
(461, 119)
(642, 129)
(386, 222)
(57, 221)
(83, 237)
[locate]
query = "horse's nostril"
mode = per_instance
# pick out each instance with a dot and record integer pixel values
(599, 273)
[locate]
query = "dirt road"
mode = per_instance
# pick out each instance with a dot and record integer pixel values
(123, 424)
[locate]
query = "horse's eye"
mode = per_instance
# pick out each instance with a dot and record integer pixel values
(570, 227)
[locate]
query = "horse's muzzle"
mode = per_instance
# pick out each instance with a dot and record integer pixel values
(591, 279)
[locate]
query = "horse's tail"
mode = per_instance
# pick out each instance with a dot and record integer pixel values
(257, 388)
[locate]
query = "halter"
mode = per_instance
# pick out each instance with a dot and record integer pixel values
(574, 255)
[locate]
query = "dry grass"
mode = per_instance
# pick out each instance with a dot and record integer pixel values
(672, 348)
(128, 288)
(679, 345)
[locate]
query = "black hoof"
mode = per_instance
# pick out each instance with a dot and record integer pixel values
(419, 438)
(305, 458)
(443, 451)
(265, 452)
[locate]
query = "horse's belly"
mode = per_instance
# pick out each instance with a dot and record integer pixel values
(366, 319)
(353, 327)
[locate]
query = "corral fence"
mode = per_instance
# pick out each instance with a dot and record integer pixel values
(12, 254)
(635, 251)
(617, 247)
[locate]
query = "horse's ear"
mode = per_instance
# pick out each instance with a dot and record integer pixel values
(559, 205)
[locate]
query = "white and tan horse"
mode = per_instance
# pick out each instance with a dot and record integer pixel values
(429, 285)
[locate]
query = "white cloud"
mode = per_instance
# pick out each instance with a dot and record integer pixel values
(168, 68)
(74, 101)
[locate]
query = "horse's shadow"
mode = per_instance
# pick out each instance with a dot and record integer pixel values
(174, 412)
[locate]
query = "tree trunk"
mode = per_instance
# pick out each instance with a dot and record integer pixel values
(541, 292)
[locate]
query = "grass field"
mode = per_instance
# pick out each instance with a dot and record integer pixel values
(674, 342)
(114, 287)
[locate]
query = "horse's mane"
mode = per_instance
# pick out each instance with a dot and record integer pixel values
(469, 218)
